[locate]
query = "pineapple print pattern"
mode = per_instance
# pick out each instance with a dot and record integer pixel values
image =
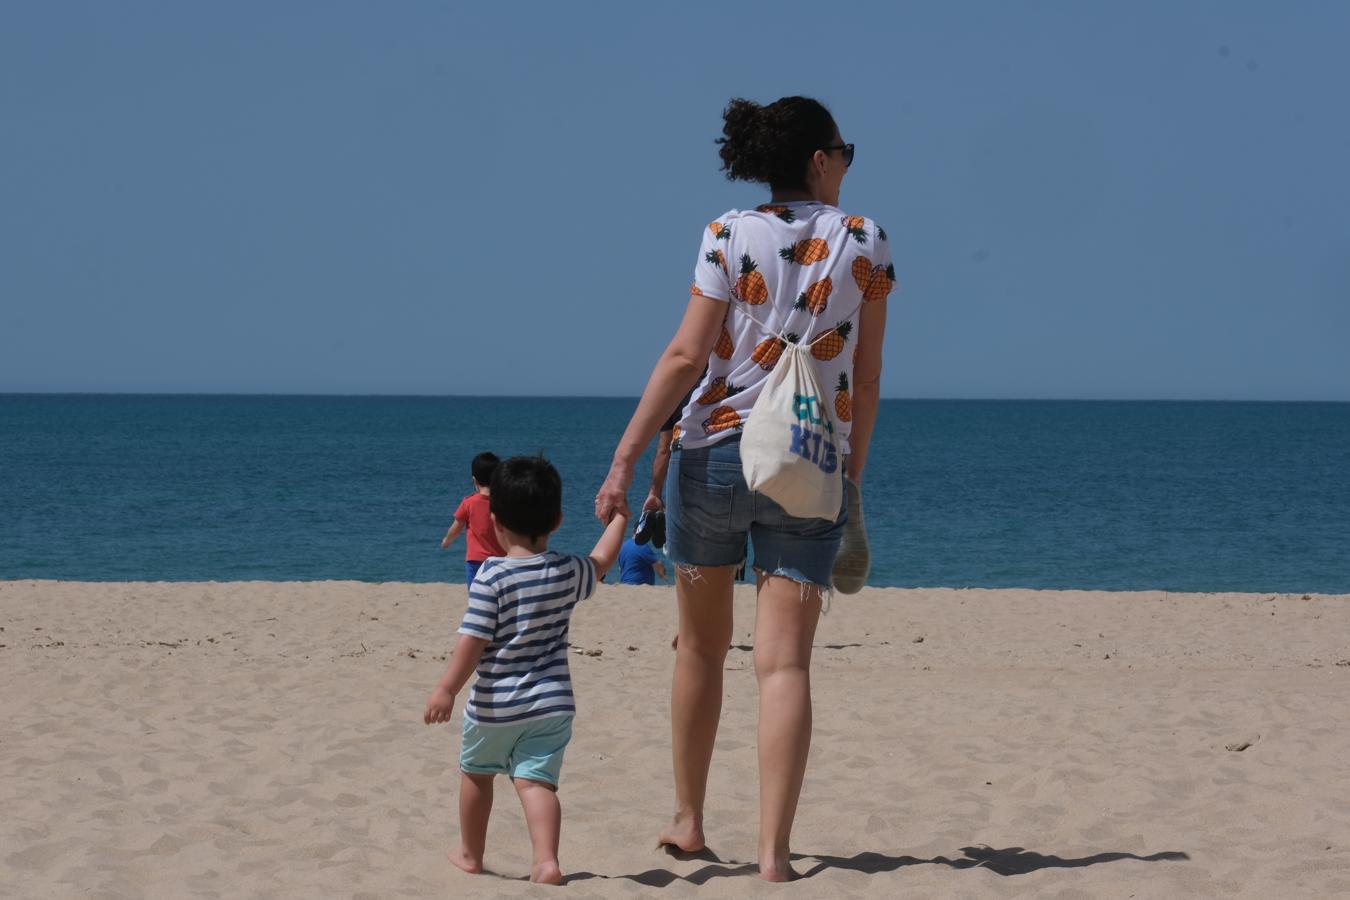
(722, 418)
(724, 348)
(843, 403)
(816, 296)
(805, 252)
(831, 343)
(784, 266)
(718, 390)
(875, 282)
(750, 287)
(717, 258)
(856, 226)
(768, 352)
(783, 212)
(675, 442)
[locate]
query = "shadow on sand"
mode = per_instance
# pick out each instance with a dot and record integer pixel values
(1007, 861)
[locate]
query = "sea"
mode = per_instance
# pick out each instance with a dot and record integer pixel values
(1178, 496)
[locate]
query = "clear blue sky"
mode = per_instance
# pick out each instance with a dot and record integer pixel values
(1144, 200)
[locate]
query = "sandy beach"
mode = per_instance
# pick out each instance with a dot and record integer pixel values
(265, 739)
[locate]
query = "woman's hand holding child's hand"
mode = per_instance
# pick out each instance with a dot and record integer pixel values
(612, 499)
(440, 706)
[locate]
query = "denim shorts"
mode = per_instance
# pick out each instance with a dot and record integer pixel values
(532, 749)
(710, 513)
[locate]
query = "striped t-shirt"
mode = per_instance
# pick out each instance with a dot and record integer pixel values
(521, 605)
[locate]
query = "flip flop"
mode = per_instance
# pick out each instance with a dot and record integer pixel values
(659, 529)
(645, 526)
(854, 558)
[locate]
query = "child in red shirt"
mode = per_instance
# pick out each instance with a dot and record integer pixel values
(473, 515)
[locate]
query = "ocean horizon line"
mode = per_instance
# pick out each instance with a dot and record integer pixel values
(635, 397)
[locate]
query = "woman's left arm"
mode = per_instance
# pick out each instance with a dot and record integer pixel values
(674, 376)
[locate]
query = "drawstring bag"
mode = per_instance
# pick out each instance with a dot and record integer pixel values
(788, 451)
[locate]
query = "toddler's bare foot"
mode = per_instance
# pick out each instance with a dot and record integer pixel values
(685, 833)
(466, 862)
(546, 873)
(776, 867)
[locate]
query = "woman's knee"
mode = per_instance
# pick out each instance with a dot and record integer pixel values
(789, 661)
(785, 626)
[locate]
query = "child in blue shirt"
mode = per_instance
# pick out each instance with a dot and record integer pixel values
(639, 563)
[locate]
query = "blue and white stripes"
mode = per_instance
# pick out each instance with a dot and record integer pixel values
(522, 606)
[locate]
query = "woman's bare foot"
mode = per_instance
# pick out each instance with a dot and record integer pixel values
(776, 866)
(684, 833)
(464, 861)
(546, 873)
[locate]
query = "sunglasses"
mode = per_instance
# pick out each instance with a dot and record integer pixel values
(848, 152)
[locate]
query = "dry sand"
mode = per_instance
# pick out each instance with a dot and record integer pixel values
(260, 739)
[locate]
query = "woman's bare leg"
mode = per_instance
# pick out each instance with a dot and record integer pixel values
(696, 694)
(786, 614)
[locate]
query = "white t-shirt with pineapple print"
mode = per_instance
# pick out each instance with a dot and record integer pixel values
(802, 269)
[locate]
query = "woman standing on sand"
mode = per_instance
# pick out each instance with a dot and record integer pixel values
(800, 266)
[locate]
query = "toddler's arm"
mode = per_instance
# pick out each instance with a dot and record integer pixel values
(455, 531)
(464, 659)
(607, 548)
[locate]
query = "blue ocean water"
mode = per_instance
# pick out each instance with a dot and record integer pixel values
(1103, 495)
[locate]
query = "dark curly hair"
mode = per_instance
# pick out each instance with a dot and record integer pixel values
(526, 496)
(773, 144)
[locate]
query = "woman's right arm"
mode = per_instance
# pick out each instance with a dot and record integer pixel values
(660, 465)
(674, 376)
(866, 386)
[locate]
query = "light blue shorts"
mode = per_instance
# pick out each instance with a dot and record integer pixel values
(711, 513)
(532, 750)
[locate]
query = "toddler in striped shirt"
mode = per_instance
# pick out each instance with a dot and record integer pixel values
(518, 718)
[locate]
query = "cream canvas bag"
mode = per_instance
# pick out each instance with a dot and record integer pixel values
(787, 446)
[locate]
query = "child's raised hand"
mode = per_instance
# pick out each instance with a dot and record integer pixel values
(440, 706)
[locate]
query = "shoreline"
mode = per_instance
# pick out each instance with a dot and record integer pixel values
(422, 585)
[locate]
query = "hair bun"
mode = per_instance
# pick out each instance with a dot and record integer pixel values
(739, 117)
(772, 144)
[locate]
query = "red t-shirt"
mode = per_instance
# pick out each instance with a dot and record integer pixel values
(481, 538)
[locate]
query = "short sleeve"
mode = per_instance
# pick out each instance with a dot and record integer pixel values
(480, 619)
(585, 577)
(882, 262)
(712, 272)
(650, 554)
(462, 512)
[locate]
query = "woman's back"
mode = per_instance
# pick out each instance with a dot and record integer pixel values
(801, 269)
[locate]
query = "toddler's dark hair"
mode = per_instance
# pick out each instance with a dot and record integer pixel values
(526, 496)
(773, 144)
(484, 464)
